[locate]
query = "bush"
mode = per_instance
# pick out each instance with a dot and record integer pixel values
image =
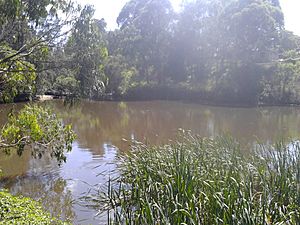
(20, 210)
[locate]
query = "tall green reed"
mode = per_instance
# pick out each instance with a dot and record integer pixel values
(205, 181)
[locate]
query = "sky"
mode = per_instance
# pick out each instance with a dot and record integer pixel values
(109, 10)
(291, 10)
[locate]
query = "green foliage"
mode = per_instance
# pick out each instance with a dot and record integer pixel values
(282, 85)
(20, 210)
(215, 47)
(254, 28)
(28, 29)
(120, 77)
(226, 49)
(40, 129)
(144, 37)
(205, 181)
(87, 47)
(66, 85)
(34, 11)
(16, 75)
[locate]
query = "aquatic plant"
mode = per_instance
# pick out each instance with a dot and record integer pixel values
(204, 181)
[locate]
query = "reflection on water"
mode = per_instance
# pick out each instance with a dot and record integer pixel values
(101, 126)
(59, 188)
(158, 121)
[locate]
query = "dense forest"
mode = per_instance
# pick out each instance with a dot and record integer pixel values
(218, 51)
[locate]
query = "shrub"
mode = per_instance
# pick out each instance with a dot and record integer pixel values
(20, 210)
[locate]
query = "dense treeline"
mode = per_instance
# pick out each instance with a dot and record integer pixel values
(235, 51)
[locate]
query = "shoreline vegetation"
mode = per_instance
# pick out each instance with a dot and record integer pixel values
(48, 97)
(206, 181)
(21, 210)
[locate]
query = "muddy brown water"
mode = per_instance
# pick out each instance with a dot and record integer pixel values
(101, 128)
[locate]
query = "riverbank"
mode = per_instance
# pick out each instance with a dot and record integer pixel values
(189, 95)
(171, 93)
(175, 93)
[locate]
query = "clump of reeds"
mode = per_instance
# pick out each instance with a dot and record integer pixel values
(206, 181)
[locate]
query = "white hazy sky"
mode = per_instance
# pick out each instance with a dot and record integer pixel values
(109, 10)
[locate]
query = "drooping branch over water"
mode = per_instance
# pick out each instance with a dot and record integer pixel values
(39, 130)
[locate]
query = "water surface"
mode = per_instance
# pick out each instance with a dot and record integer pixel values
(101, 128)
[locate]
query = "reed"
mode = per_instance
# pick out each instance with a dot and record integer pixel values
(205, 181)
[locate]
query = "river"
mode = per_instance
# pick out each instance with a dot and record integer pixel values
(101, 128)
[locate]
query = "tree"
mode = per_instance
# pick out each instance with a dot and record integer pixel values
(251, 35)
(28, 29)
(145, 29)
(222, 42)
(120, 76)
(196, 40)
(281, 85)
(87, 48)
(16, 74)
(252, 30)
(66, 85)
